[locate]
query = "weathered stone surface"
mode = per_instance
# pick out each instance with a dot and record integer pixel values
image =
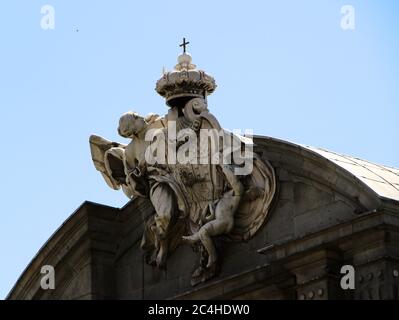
(314, 228)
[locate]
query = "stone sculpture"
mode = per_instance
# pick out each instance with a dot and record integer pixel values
(200, 191)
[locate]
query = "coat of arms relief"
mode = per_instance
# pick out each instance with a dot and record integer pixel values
(205, 183)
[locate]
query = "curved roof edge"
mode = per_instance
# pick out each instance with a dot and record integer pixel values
(382, 180)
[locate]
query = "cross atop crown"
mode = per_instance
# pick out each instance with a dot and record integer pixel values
(184, 45)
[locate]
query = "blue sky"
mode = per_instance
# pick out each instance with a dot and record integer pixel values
(285, 69)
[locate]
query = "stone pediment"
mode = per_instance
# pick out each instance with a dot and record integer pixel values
(324, 215)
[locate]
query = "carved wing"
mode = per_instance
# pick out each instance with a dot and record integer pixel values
(108, 159)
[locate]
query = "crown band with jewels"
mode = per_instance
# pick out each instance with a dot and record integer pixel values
(185, 81)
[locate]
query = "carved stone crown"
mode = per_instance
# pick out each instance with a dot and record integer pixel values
(184, 82)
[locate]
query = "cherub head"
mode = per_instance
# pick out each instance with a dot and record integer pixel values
(130, 124)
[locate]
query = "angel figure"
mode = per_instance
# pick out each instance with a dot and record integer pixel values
(195, 202)
(125, 166)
